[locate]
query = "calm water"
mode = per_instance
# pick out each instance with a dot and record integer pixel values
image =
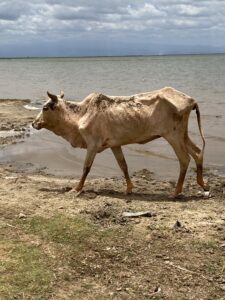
(201, 76)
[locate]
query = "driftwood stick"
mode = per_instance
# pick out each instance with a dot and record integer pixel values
(170, 263)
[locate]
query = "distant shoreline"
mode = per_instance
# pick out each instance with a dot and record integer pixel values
(113, 56)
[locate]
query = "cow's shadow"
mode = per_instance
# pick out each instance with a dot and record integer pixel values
(139, 196)
(135, 196)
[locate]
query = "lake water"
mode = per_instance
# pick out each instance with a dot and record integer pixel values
(200, 76)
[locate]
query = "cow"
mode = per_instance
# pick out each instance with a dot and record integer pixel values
(100, 122)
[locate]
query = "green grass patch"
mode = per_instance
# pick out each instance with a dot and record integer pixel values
(81, 246)
(75, 232)
(205, 245)
(25, 271)
(81, 259)
(59, 229)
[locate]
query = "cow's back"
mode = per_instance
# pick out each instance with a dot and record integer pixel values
(178, 101)
(134, 119)
(118, 120)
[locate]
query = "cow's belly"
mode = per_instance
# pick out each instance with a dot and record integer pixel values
(129, 131)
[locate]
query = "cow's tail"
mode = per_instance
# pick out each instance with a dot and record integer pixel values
(200, 128)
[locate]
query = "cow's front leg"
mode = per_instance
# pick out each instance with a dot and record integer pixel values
(90, 156)
(118, 153)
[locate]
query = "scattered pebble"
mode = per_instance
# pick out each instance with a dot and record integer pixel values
(207, 194)
(222, 287)
(22, 216)
(177, 225)
(180, 227)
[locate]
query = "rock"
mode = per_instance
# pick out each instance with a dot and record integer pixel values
(22, 216)
(179, 227)
(222, 287)
(207, 194)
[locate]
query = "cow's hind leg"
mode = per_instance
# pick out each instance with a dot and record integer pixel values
(118, 153)
(184, 159)
(195, 152)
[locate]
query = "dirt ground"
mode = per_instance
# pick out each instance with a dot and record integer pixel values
(57, 245)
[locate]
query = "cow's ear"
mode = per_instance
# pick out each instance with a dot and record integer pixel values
(54, 98)
(61, 95)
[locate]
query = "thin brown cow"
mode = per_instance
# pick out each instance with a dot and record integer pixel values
(100, 122)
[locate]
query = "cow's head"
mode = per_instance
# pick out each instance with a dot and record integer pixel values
(50, 115)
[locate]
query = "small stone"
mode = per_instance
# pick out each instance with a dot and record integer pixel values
(222, 287)
(22, 216)
(177, 224)
(36, 243)
(166, 259)
(180, 227)
(207, 194)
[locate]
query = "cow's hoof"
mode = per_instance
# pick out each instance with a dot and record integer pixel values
(78, 188)
(177, 196)
(128, 192)
(75, 192)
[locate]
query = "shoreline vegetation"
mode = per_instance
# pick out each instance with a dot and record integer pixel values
(56, 245)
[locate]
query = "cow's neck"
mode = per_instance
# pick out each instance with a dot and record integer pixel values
(67, 126)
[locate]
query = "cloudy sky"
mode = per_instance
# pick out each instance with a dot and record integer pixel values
(110, 27)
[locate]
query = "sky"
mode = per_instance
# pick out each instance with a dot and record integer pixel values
(111, 27)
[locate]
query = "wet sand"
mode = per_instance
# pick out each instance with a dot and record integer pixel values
(15, 120)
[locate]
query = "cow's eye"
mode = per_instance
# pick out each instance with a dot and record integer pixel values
(45, 108)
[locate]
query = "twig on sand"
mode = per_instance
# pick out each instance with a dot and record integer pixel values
(9, 225)
(170, 263)
(138, 214)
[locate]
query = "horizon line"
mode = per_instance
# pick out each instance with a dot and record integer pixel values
(106, 56)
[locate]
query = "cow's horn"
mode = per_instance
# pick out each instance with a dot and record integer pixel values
(54, 98)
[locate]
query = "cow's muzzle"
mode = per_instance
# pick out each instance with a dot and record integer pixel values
(36, 125)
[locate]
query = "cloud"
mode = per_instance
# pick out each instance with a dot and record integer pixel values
(12, 10)
(149, 23)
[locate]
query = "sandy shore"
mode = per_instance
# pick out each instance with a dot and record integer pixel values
(178, 253)
(14, 120)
